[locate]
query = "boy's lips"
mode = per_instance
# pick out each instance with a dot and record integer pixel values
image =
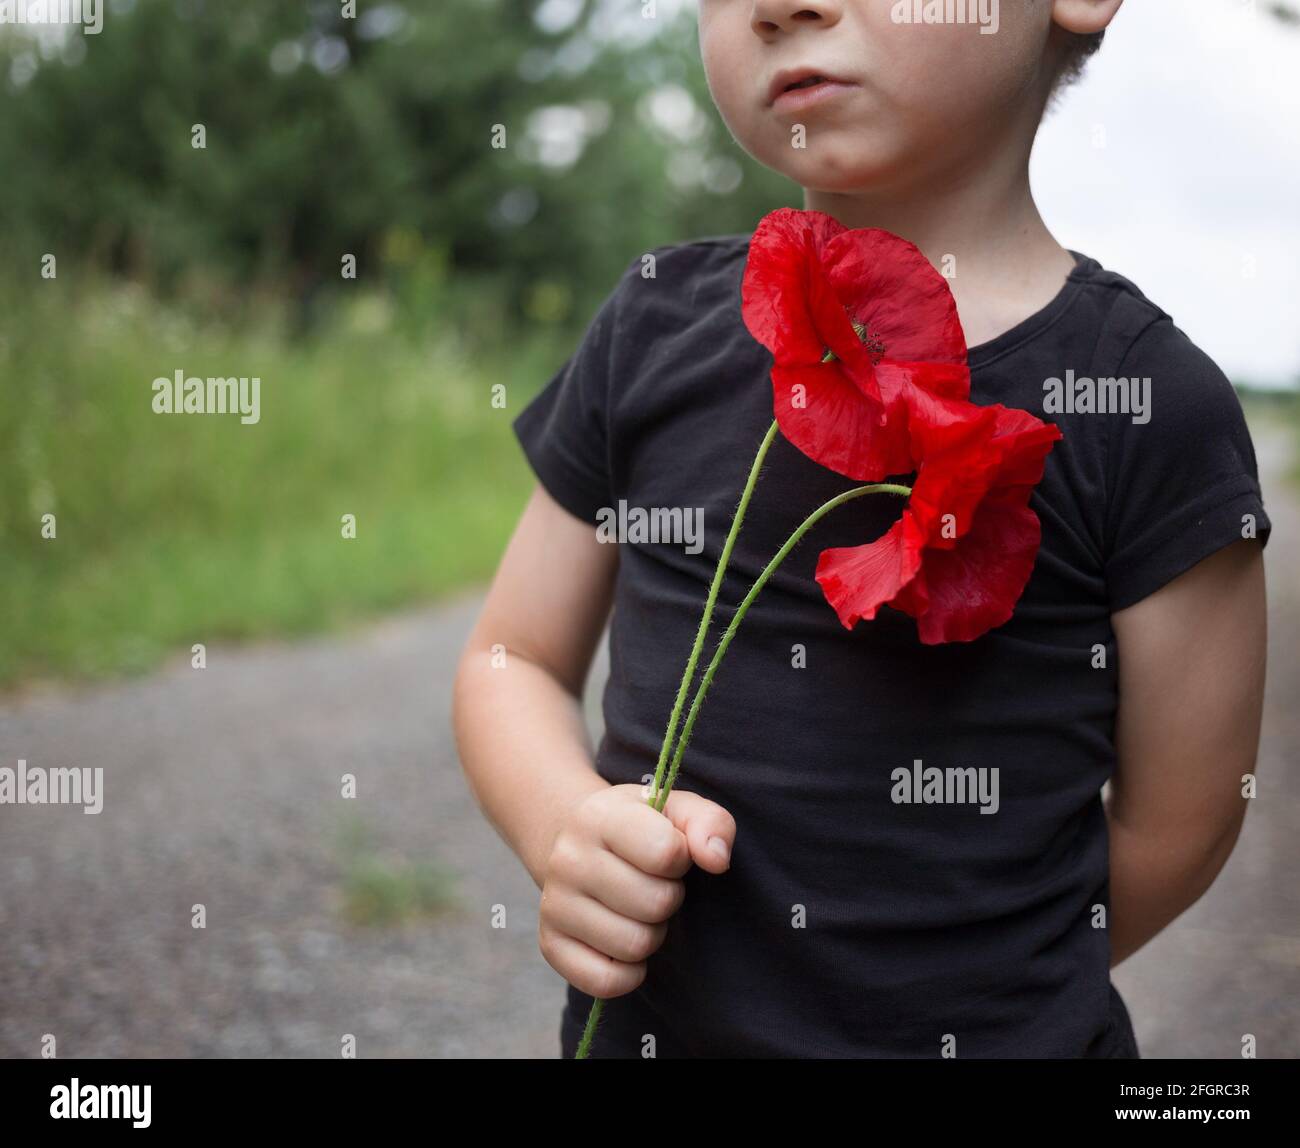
(794, 89)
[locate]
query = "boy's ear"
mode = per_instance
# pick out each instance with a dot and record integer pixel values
(1085, 17)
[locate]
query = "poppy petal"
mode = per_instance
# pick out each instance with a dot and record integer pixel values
(784, 289)
(949, 380)
(858, 580)
(966, 544)
(892, 288)
(828, 418)
(975, 586)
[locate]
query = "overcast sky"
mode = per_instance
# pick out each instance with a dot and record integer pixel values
(1194, 193)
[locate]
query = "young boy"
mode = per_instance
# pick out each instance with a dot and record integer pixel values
(785, 904)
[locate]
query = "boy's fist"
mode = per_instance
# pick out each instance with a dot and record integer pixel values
(613, 879)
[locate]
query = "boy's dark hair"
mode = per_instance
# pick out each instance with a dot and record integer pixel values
(1078, 49)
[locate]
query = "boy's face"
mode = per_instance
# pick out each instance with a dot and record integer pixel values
(916, 100)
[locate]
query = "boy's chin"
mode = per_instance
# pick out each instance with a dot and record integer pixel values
(841, 173)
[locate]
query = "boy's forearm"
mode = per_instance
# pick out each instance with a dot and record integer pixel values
(1154, 879)
(525, 751)
(1191, 686)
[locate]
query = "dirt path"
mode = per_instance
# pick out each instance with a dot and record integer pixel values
(223, 790)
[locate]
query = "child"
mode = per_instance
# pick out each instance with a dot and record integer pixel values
(787, 902)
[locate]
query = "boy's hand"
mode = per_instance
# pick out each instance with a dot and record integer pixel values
(613, 879)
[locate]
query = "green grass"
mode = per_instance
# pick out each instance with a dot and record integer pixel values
(379, 891)
(177, 529)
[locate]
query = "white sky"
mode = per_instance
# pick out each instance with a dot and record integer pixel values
(1195, 192)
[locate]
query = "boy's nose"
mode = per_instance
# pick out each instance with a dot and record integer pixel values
(771, 16)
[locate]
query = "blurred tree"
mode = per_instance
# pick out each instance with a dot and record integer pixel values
(372, 136)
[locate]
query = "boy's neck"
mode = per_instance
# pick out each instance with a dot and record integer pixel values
(982, 228)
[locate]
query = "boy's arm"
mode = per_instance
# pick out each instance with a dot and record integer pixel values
(523, 742)
(1191, 686)
(609, 867)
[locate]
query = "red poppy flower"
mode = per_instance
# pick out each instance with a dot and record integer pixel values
(855, 320)
(959, 557)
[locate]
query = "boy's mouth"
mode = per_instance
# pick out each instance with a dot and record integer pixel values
(799, 87)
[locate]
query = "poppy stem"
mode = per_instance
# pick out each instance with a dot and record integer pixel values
(688, 676)
(762, 580)
(723, 560)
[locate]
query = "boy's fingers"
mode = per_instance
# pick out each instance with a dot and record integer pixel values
(585, 969)
(585, 919)
(629, 891)
(710, 830)
(646, 839)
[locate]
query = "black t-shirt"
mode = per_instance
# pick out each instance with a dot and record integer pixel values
(849, 924)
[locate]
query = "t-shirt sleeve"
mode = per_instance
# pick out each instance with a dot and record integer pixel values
(1182, 478)
(564, 430)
